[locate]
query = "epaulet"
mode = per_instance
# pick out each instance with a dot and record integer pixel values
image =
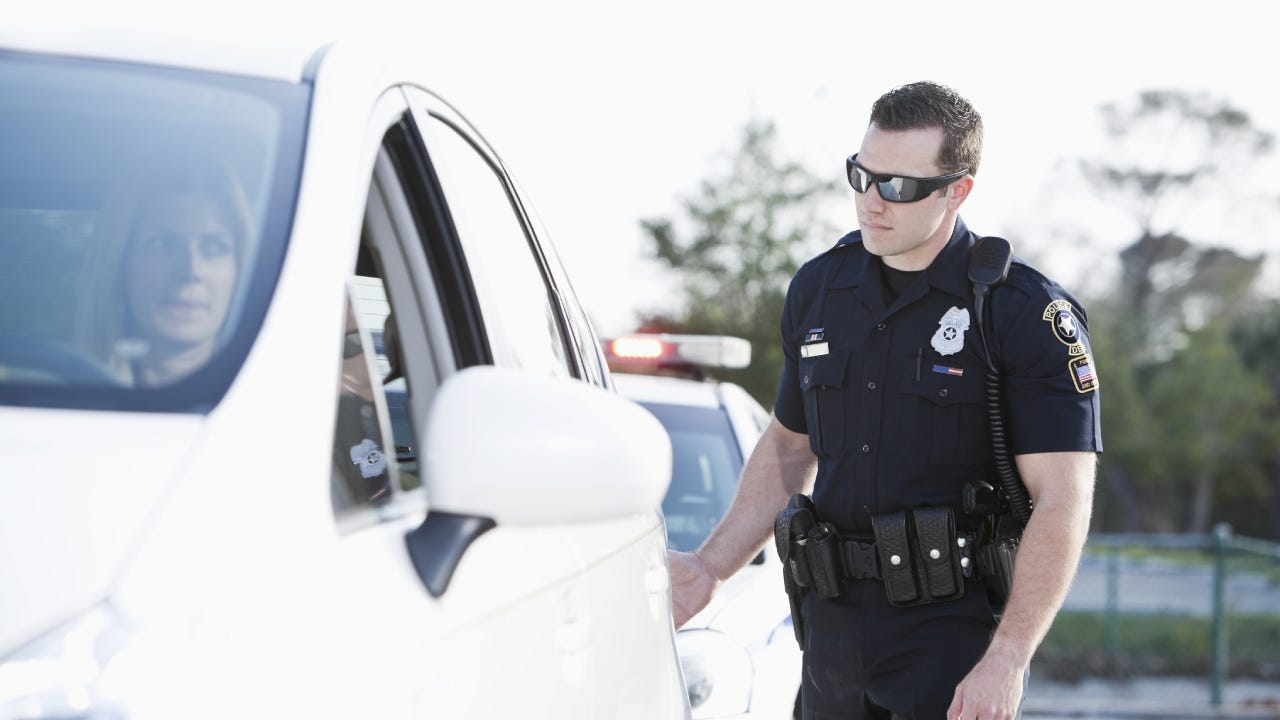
(850, 239)
(1024, 276)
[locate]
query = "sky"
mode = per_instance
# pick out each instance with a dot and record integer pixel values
(608, 113)
(611, 113)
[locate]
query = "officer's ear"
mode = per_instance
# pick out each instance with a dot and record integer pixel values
(958, 192)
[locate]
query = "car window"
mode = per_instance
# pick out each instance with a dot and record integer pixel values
(363, 462)
(594, 365)
(396, 345)
(520, 312)
(705, 466)
(143, 217)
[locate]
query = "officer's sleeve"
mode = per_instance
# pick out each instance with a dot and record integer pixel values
(1050, 381)
(788, 405)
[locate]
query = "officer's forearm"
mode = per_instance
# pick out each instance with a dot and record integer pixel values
(1061, 486)
(780, 466)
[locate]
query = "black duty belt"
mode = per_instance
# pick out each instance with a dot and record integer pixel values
(918, 554)
(858, 556)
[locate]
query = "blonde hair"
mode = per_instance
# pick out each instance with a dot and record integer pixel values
(102, 313)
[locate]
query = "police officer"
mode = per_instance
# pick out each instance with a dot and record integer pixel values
(880, 409)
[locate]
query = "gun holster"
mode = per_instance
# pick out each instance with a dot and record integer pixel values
(795, 521)
(995, 553)
(995, 566)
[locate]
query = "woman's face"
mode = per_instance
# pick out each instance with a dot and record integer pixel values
(180, 271)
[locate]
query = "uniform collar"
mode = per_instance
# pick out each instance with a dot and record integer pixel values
(948, 271)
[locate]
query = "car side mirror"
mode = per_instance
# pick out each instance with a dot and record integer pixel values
(510, 447)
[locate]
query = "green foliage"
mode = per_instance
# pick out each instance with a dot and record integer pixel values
(1156, 644)
(1190, 417)
(748, 230)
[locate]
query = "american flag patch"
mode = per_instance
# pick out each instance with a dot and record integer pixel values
(1085, 373)
(943, 369)
(1082, 374)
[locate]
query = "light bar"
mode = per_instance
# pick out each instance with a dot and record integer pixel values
(713, 351)
(637, 348)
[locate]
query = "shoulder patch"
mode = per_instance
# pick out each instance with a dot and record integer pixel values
(1082, 374)
(1066, 327)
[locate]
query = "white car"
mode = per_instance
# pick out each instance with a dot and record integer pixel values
(205, 510)
(740, 654)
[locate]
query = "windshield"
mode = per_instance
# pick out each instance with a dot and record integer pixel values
(143, 216)
(705, 464)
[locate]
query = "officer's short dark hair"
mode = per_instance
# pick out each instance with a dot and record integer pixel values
(923, 105)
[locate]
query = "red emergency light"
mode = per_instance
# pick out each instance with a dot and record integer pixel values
(648, 353)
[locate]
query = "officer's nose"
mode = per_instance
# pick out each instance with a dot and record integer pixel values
(871, 199)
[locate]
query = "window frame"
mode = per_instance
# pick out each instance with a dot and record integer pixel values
(425, 107)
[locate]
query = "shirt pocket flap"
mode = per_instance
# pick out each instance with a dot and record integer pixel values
(823, 371)
(943, 387)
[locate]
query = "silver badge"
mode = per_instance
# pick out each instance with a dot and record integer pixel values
(949, 339)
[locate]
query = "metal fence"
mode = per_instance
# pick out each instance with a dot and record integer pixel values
(1200, 589)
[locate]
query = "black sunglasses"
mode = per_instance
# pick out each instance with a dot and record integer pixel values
(896, 188)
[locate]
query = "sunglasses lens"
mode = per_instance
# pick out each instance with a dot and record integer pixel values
(891, 188)
(899, 189)
(857, 178)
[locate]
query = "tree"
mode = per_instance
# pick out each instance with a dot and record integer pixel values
(748, 230)
(1167, 147)
(1181, 406)
(1257, 506)
(1212, 410)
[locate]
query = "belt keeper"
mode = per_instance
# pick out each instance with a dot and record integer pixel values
(860, 560)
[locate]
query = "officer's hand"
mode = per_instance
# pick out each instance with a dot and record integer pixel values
(991, 691)
(692, 585)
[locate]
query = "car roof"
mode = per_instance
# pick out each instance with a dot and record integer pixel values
(667, 390)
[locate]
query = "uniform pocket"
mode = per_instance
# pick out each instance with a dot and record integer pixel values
(822, 385)
(947, 411)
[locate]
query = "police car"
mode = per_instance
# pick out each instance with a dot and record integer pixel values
(739, 654)
(205, 509)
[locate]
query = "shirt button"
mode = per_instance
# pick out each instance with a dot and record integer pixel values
(871, 385)
(942, 392)
(866, 448)
(881, 326)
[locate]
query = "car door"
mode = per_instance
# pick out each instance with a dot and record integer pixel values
(476, 619)
(616, 632)
(498, 622)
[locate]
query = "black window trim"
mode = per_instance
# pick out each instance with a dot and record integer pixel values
(469, 135)
(467, 333)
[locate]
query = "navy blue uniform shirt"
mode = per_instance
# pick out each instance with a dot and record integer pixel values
(892, 397)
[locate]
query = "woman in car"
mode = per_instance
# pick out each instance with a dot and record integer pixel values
(175, 280)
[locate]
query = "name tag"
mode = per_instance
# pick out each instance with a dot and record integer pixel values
(814, 350)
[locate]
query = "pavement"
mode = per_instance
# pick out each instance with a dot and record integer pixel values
(1150, 699)
(1101, 708)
